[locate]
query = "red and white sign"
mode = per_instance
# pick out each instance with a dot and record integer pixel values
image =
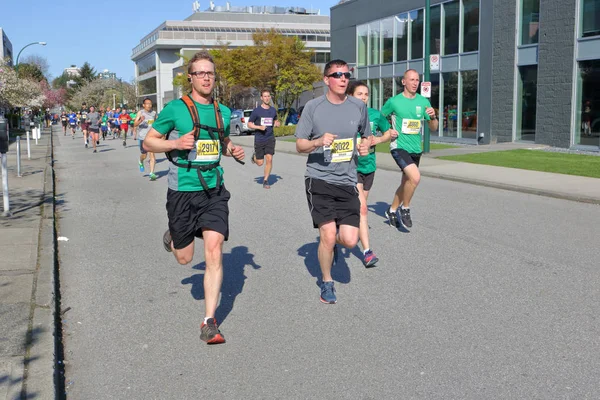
(434, 62)
(426, 89)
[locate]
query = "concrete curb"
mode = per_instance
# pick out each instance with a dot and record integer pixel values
(39, 359)
(478, 182)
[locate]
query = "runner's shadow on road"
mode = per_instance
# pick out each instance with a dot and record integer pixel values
(379, 208)
(273, 179)
(340, 272)
(234, 264)
(103, 150)
(159, 174)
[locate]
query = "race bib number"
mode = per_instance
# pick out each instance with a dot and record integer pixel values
(64, 119)
(207, 150)
(266, 121)
(411, 126)
(342, 150)
(150, 122)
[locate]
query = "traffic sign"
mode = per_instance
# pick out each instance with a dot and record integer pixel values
(426, 89)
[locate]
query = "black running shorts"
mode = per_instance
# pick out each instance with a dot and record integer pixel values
(403, 158)
(189, 212)
(94, 130)
(328, 202)
(262, 148)
(366, 180)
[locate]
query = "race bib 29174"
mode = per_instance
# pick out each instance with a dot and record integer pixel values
(207, 150)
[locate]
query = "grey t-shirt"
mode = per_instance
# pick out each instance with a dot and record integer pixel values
(146, 124)
(94, 120)
(345, 120)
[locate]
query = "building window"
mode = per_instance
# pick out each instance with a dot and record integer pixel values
(401, 22)
(147, 86)
(469, 104)
(530, 21)
(146, 64)
(387, 37)
(434, 34)
(588, 104)
(451, 27)
(417, 19)
(374, 45)
(387, 89)
(591, 18)
(450, 102)
(471, 25)
(435, 99)
(526, 103)
(362, 33)
(374, 93)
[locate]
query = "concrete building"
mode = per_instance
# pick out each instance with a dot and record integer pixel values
(6, 50)
(106, 74)
(507, 70)
(157, 57)
(73, 71)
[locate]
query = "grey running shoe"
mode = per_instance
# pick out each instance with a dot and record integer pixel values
(405, 217)
(392, 217)
(167, 241)
(209, 332)
(328, 293)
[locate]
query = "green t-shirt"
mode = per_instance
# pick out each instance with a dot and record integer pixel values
(407, 118)
(176, 118)
(367, 164)
(104, 120)
(132, 115)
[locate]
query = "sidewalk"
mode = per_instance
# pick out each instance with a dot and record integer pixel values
(560, 186)
(26, 276)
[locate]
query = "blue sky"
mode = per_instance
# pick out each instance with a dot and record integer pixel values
(100, 32)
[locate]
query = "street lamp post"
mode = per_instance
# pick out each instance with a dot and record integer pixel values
(18, 55)
(426, 70)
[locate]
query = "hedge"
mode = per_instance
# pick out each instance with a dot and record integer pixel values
(287, 130)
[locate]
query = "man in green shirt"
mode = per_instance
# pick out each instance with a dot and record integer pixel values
(197, 201)
(407, 110)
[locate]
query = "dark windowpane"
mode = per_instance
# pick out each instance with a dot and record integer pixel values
(589, 103)
(417, 22)
(435, 99)
(471, 25)
(591, 18)
(452, 27)
(401, 22)
(434, 35)
(387, 36)
(469, 105)
(147, 86)
(527, 100)
(450, 103)
(530, 21)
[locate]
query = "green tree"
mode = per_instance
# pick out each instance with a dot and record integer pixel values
(87, 72)
(31, 71)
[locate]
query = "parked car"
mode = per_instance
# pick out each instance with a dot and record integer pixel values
(238, 124)
(292, 117)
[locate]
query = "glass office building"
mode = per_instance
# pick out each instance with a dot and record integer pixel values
(508, 70)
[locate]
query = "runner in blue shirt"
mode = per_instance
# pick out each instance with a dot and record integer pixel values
(73, 123)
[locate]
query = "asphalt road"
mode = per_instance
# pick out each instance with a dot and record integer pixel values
(492, 294)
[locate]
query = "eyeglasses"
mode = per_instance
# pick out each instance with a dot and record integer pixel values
(338, 75)
(202, 74)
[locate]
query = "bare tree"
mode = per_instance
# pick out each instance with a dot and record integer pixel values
(41, 62)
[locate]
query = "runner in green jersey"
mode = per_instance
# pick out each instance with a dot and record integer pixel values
(366, 165)
(197, 200)
(408, 110)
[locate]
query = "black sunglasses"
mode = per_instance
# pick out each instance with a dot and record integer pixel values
(338, 75)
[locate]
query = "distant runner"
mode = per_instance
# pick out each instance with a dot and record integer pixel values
(263, 119)
(143, 123)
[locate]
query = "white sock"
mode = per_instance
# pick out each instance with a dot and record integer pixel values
(405, 208)
(365, 251)
(392, 210)
(206, 319)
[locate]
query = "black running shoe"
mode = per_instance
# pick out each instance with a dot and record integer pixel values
(86, 146)
(392, 217)
(167, 241)
(124, 143)
(210, 333)
(97, 142)
(405, 217)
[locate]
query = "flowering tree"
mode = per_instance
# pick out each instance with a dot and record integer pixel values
(16, 92)
(99, 93)
(53, 97)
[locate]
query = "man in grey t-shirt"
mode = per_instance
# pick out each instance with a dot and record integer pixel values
(93, 123)
(143, 122)
(329, 131)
